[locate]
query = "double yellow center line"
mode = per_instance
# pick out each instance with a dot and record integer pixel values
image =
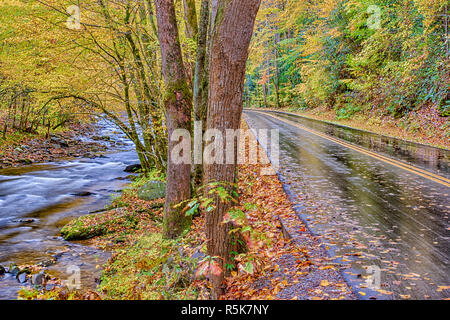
(423, 173)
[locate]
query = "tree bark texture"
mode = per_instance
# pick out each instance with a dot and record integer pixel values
(201, 80)
(231, 35)
(178, 104)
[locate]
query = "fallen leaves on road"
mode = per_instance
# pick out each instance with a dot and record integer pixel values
(290, 270)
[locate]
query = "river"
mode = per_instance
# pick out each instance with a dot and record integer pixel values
(37, 200)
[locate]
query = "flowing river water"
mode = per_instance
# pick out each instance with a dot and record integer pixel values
(37, 200)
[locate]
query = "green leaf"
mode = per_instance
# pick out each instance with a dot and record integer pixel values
(248, 267)
(192, 210)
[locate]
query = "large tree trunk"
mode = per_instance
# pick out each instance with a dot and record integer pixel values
(178, 104)
(233, 28)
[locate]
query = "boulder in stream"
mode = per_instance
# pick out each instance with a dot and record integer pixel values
(2, 270)
(152, 190)
(133, 168)
(101, 138)
(38, 279)
(24, 220)
(13, 269)
(22, 277)
(94, 225)
(83, 194)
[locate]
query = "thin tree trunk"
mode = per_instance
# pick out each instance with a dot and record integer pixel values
(201, 82)
(233, 28)
(190, 17)
(16, 102)
(178, 104)
(5, 125)
(264, 90)
(257, 96)
(150, 17)
(214, 8)
(191, 31)
(276, 80)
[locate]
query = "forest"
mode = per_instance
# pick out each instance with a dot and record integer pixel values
(351, 56)
(151, 68)
(369, 60)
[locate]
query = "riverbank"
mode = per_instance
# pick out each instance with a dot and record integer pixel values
(72, 142)
(39, 199)
(424, 126)
(144, 266)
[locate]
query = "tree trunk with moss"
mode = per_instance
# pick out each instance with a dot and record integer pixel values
(178, 104)
(231, 35)
(191, 31)
(190, 17)
(200, 91)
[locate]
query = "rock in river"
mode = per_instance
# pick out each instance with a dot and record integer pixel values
(104, 138)
(38, 279)
(133, 168)
(24, 220)
(13, 269)
(22, 277)
(152, 190)
(93, 225)
(83, 194)
(2, 270)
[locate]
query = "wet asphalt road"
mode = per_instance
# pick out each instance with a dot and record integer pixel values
(369, 212)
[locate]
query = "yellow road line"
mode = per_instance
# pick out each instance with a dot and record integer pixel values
(428, 175)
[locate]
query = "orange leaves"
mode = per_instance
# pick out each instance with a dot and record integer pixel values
(324, 283)
(285, 268)
(442, 288)
(264, 79)
(326, 267)
(279, 285)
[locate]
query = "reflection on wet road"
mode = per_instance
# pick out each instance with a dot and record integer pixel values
(370, 212)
